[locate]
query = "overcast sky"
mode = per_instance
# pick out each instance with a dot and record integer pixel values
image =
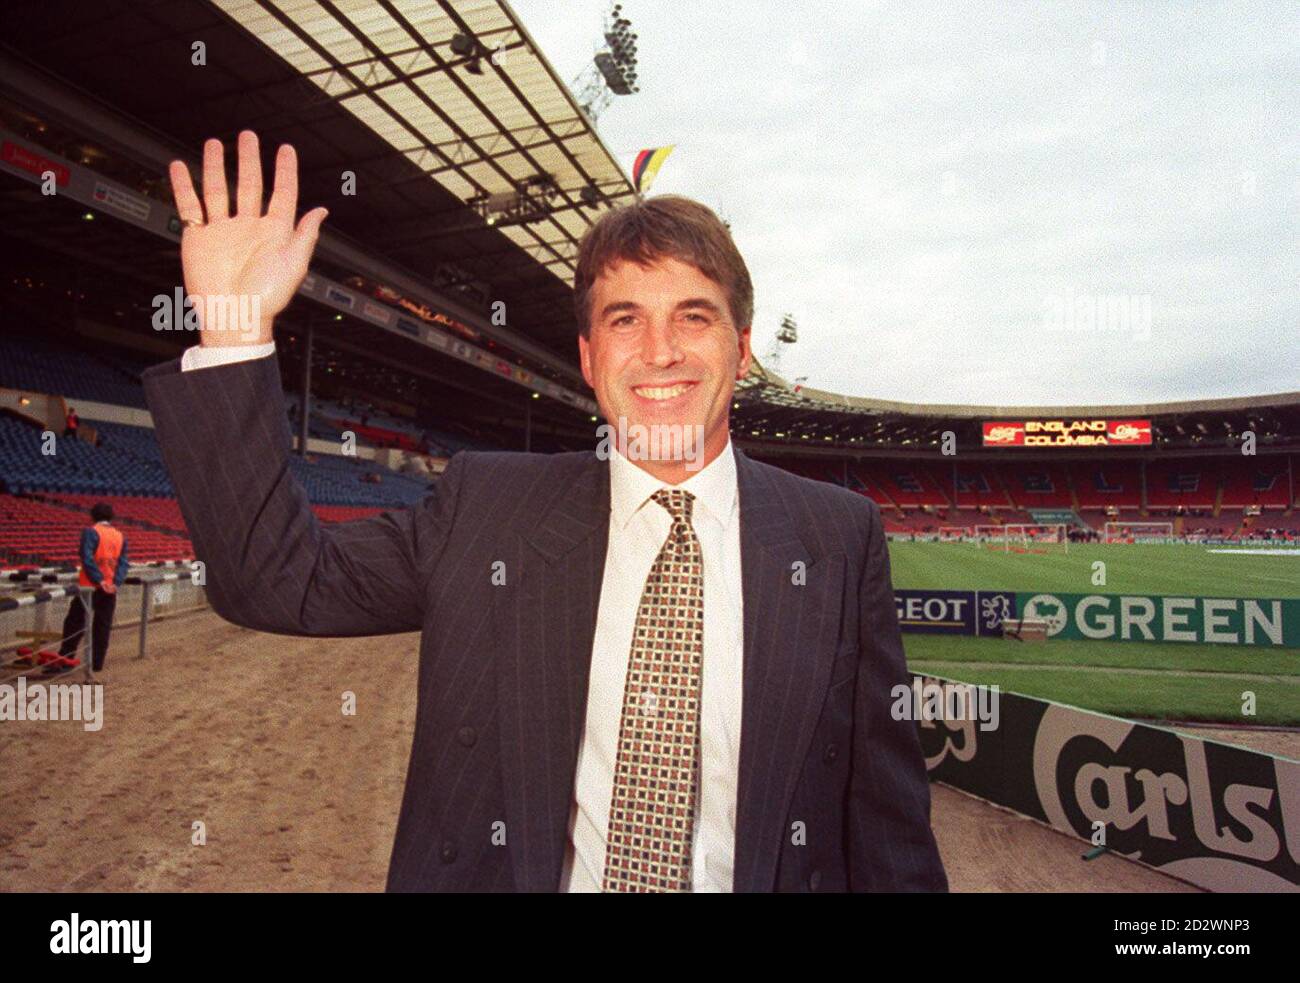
(987, 202)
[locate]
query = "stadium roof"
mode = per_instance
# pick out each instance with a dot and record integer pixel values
(771, 388)
(377, 89)
(461, 91)
(771, 411)
(441, 109)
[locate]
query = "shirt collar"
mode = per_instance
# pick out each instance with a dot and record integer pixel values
(630, 487)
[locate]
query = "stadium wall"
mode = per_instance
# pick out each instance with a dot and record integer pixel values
(88, 409)
(1219, 816)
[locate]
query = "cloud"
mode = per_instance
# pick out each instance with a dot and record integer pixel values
(917, 182)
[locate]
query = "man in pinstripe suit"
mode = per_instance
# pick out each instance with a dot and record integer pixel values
(638, 671)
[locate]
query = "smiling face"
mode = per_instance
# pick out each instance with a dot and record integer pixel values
(663, 349)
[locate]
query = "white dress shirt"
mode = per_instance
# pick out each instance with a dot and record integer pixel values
(637, 530)
(199, 357)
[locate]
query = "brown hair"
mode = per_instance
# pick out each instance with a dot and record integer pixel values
(663, 226)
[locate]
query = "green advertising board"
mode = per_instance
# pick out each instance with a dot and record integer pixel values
(1143, 618)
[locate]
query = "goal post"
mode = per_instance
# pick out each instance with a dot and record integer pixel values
(1025, 535)
(1137, 532)
(1033, 535)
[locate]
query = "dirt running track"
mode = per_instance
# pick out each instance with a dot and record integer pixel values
(244, 732)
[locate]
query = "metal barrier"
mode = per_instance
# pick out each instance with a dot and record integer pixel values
(36, 617)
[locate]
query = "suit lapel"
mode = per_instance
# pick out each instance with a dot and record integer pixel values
(546, 620)
(791, 631)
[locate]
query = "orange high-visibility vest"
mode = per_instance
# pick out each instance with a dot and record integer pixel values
(107, 554)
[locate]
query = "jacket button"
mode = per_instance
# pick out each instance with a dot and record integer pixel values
(448, 852)
(814, 880)
(467, 736)
(831, 753)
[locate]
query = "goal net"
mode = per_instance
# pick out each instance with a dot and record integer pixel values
(1025, 536)
(1138, 532)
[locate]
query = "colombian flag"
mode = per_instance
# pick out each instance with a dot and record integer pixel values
(647, 166)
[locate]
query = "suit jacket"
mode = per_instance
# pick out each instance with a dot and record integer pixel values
(833, 793)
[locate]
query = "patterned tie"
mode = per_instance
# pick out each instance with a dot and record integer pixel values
(652, 813)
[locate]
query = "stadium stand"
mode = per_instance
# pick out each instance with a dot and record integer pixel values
(331, 480)
(909, 484)
(914, 521)
(1271, 525)
(975, 486)
(1226, 525)
(1189, 484)
(163, 514)
(1246, 483)
(864, 483)
(126, 462)
(970, 518)
(330, 418)
(1107, 484)
(48, 366)
(47, 496)
(34, 532)
(1037, 486)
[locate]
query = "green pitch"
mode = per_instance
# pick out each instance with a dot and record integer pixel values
(1131, 679)
(1190, 570)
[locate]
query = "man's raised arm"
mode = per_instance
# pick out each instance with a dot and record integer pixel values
(269, 563)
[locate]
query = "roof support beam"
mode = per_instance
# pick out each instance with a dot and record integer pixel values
(31, 87)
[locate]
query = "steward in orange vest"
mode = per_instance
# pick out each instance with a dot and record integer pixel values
(103, 566)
